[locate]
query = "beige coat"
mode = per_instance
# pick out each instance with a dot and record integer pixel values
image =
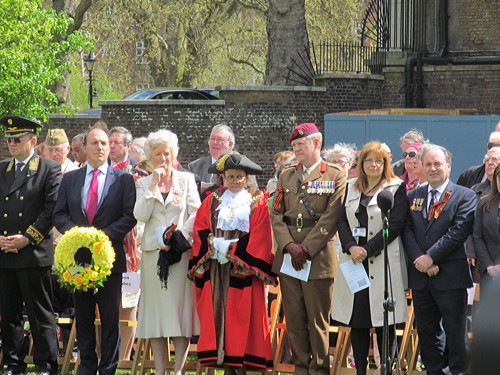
(179, 208)
(343, 299)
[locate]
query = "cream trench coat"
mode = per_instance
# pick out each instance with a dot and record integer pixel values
(180, 207)
(343, 299)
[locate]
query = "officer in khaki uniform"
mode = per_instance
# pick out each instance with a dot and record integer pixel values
(304, 217)
(28, 194)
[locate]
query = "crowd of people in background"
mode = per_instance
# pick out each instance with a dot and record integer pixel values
(206, 243)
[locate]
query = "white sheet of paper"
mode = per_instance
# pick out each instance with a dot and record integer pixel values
(355, 276)
(131, 282)
(288, 269)
(159, 236)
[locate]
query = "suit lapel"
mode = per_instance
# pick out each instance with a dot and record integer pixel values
(110, 178)
(29, 170)
(314, 175)
(8, 175)
(173, 187)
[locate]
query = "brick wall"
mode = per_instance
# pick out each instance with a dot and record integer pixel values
(449, 86)
(474, 25)
(261, 117)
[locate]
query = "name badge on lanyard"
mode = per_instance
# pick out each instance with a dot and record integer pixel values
(359, 232)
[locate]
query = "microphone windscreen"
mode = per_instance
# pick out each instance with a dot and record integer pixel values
(385, 200)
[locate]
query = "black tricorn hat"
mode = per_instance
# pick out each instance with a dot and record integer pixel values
(234, 161)
(15, 126)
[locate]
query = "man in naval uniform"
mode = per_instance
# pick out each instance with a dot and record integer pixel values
(307, 201)
(28, 194)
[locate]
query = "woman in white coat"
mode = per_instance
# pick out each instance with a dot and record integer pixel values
(164, 198)
(360, 230)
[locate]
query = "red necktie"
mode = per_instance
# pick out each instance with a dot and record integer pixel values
(92, 197)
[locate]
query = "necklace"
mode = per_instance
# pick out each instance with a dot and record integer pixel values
(373, 187)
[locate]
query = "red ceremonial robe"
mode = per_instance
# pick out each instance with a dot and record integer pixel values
(243, 321)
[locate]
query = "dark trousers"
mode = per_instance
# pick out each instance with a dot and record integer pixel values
(440, 316)
(360, 340)
(108, 300)
(33, 287)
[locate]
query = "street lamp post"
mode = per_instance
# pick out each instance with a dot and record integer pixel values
(89, 65)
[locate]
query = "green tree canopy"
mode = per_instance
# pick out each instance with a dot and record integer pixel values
(33, 48)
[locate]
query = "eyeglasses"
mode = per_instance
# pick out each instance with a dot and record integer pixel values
(354, 166)
(491, 145)
(238, 178)
(340, 163)
(218, 140)
(436, 165)
(493, 160)
(58, 150)
(16, 140)
(139, 172)
(411, 154)
(378, 162)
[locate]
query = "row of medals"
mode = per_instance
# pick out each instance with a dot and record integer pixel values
(320, 187)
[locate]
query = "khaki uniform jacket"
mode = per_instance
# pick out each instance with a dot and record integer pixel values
(318, 238)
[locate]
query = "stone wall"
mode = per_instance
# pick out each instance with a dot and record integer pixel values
(261, 117)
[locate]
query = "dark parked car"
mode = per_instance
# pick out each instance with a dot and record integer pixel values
(173, 94)
(164, 94)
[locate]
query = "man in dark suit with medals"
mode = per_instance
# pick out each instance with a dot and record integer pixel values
(28, 194)
(306, 205)
(102, 197)
(441, 219)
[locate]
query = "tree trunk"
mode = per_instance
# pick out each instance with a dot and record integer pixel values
(288, 43)
(75, 10)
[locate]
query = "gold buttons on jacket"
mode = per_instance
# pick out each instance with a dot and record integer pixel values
(20, 214)
(301, 201)
(6, 198)
(21, 198)
(4, 215)
(4, 232)
(371, 217)
(303, 187)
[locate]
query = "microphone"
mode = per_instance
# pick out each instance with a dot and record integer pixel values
(385, 201)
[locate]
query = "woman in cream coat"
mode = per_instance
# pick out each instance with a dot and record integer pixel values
(164, 198)
(360, 230)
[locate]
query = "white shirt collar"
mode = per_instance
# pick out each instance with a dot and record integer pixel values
(103, 168)
(311, 168)
(440, 189)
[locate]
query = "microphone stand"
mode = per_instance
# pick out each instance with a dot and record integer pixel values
(385, 361)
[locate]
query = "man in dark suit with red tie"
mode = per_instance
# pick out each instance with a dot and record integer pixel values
(441, 219)
(104, 198)
(28, 193)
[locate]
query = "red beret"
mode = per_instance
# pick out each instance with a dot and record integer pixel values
(303, 130)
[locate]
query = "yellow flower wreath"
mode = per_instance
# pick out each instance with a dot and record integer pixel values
(75, 276)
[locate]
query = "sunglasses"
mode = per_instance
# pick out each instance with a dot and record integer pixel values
(15, 140)
(140, 172)
(411, 154)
